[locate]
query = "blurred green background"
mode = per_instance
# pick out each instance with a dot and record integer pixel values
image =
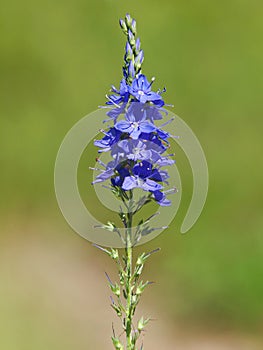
(57, 62)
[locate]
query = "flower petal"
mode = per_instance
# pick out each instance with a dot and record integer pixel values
(129, 183)
(150, 185)
(147, 127)
(124, 126)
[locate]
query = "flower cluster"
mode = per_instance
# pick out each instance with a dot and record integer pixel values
(136, 144)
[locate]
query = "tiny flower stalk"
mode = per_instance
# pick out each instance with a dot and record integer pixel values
(137, 148)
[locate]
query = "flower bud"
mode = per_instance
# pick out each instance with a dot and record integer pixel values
(117, 344)
(138, 45)
(114, 254)
(133, 26)
(131, 70)
(138, 60)
(141, 56)
(128, 52)
(142, 323)
(140, 288)
(115, 289)
(131, 38)
(123, 26)
(128, 20)
(134, 299)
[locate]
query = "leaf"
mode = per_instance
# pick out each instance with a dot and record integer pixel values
(142, 323)
(117, 343)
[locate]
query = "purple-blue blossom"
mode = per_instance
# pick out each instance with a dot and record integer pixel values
(110, 138)
(137, 146)
(144, 177)
(141, 89)
(134, 125)
(149, 111)
(119, 96)
(136, 150)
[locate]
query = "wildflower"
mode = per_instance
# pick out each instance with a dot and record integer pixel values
(121, 95)
(111, 137)
(136, 150)
(161, 198)
(144, 177)
(141, 90)
(105, 173)
(150, 111)
(134, 125)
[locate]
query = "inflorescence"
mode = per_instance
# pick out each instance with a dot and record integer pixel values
(136, 144)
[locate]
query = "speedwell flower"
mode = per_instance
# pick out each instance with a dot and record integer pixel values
(141, 90)
(121, 95)
(110, 138)
(144, 177)
(136, 150)
(134, 125)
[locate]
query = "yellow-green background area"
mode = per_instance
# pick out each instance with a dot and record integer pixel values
(58, 60)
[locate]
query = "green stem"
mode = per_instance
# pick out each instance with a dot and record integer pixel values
(128, 251)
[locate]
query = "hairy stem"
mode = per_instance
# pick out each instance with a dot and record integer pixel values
(128, 252)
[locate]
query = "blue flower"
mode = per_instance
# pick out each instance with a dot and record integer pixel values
(110, 138)
(136, 150)
(123, 172)
(134, 125)
(161, 198)
(141, 90)
(128, 52)
(163, 135)
(114, 113)
(121, 95)
(164, 161)
(153, 137)
(105, 174)
(144, 177)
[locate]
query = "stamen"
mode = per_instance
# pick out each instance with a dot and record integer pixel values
(107, 187)
(104, 132)
(168, 122)
(115, 104)
(95, 169)
(101, 163)
(171, 191)
(162, 91)
(108, 107)
(113, 89)
(152, 81)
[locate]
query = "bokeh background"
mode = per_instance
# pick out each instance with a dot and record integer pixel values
(57, 62)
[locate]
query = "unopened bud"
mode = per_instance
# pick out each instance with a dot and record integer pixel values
(128, 20)
(131, 70)
(117, 344)
(133, 26)
(128, 52)
(138, 45)
(131, 38)
(123, 26)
